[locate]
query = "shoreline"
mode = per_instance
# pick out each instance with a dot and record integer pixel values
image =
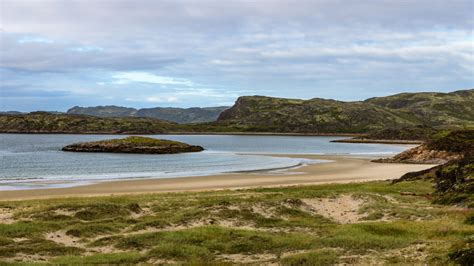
(379, 141)
(196, 133)
(339, 169)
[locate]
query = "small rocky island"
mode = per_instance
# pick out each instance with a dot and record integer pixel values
(135, 144)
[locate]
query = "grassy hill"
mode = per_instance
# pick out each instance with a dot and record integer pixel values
(430, 108)
(433, 111)
(43, 122)
(178, 115)
(258, 113)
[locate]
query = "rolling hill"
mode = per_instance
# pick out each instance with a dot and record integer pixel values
(408, 113)
(268, 114)
(44, 122)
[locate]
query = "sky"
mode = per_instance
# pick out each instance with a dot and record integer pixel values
(144, 53)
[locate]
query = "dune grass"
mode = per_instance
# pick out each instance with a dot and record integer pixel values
(399, 225)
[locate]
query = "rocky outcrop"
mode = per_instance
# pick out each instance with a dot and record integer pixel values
(453, 181)
(141, 145)
(422, 154)
(454, 146)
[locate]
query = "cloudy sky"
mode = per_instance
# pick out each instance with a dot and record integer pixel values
(144, 53)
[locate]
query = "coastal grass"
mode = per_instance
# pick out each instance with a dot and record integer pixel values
(108, 258)
(316, 258)
(398, 224)
(145, 141)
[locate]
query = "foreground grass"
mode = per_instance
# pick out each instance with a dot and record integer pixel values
(397, 224)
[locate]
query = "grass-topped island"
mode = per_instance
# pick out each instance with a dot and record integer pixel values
(135, 144)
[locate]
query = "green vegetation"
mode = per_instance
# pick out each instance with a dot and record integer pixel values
(42, 122)
(454, 180)
(143, 141)
(461, 141)
(454, 184)
(419, 132)
(432, 108)
(323, 257)
(398, 224)
(441, 148)
(402, 112)
(108, 258)
(134, 144)
(266, 114)
(178, 115)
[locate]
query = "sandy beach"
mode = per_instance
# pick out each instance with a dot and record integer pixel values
(340, 169)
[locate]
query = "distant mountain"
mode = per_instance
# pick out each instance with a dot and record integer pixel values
(10, 113)
(181, 115)
(268, 114)
(20, 113)
(103, 111)
(178, 115)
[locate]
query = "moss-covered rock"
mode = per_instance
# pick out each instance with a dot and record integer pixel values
(454, 146)
(134, 144)
(453, 180)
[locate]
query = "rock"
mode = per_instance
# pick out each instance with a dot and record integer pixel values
(422, 154)
(454, 146)
(135, 144)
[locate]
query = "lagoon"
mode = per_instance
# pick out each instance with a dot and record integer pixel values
(31, 161)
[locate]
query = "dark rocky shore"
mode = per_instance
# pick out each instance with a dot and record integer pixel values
(135, 144)
(422, 154)
(454, 146)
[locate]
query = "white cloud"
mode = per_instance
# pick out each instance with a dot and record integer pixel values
(161, 99)
(34, 39)
(201, 53)
(156, 99)
(129, 77)
(87, 49)
(463, 49)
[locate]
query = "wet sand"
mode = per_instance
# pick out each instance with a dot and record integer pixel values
(340, 169)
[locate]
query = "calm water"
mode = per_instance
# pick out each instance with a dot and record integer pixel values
(36, 161)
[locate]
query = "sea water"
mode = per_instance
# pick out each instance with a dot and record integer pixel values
(29, 161)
